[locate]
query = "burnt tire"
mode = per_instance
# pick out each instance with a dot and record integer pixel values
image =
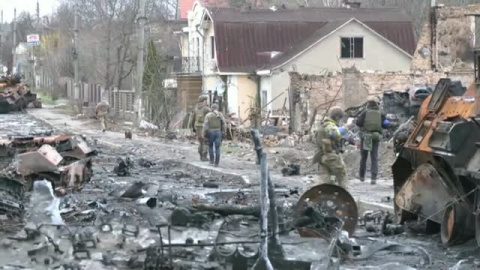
(455, 228)
(477, 229)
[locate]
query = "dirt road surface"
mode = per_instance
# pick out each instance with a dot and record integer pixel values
(180, 179)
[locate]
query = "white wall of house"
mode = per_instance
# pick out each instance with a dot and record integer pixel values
(195, 41)
(209, 56)
(213, 83)
(378, 55)
(233, 95)
(266, 91)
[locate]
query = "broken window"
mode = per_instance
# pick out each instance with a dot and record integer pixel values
(351, 47)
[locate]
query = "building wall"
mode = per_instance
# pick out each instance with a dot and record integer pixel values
(446, 45)
(317, 91)
(422, 58)
(241, 92)
(195, 36)
(209, 63)
(247, 91)
(233, 92)
(324, 58)
(213, 83)
(379, 55)
(266, 87)
(280, 82)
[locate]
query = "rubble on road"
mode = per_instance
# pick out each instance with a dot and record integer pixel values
(165, 215)
(70, 147)
(123, 167)
(63, 160)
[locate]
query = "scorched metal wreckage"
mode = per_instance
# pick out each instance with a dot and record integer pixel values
(437, 173)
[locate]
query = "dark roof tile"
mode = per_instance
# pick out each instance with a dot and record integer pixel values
(245, 40)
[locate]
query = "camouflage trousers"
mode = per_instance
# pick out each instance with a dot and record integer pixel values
(104, 120)
(202, 144)
(332, 165)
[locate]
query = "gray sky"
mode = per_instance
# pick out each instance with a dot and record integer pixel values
(46, 7)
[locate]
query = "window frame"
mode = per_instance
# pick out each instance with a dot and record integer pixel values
(352, 54)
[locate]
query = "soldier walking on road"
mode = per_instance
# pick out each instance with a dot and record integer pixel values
(213, 129)
(371, 123)
(197, 119)
(101, 112)
(328, 157)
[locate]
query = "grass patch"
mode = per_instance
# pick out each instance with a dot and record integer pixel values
(231, 149)
(46, 98)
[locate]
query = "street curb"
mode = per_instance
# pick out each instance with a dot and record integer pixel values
(364, 206)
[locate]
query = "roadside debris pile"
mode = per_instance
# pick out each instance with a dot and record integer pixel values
(65, 161)
(160, 215)
(15, 96)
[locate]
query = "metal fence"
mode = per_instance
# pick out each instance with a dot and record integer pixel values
(121, 101)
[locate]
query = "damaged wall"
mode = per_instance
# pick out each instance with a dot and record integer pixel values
(318, 91)
(447, 39)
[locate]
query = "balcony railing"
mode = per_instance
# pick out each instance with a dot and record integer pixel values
(188, 65)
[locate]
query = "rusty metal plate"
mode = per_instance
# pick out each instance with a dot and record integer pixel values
(330, 200)
(424, 193)
(45, 159)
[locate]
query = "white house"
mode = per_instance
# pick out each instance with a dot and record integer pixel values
(250, 52)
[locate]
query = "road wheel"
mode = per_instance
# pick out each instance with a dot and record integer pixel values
(455, 227)
(477, 229)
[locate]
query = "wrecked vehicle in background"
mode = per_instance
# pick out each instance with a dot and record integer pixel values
(407, 104)
(417, 94)
(437, 173)
(15, 96)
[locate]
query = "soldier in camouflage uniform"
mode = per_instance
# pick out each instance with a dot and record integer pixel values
(213, 129)
(328, 157)
(371, 124)
(197, 119)
(101, 112)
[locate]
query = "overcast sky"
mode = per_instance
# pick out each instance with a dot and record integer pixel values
(46, 7)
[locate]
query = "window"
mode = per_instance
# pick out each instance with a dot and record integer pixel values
(352, 47)
(212, 47)
(264, 99)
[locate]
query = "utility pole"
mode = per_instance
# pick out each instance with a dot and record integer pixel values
(140, 65)
(75, 54)
(14, 69)
(34, 49)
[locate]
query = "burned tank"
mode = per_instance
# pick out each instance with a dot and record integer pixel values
(437, 173)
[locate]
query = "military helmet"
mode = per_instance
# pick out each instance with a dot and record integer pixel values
(336, 113)
(202, 98)
(373, 102)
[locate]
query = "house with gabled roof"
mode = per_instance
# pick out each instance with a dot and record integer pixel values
(249, 52)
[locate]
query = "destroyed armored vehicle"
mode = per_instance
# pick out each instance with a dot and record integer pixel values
(437, 173)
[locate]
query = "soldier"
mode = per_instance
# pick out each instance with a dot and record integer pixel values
(196, 123)
(371, 124)
(328, 157)
(101, 112)
(213, 129)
